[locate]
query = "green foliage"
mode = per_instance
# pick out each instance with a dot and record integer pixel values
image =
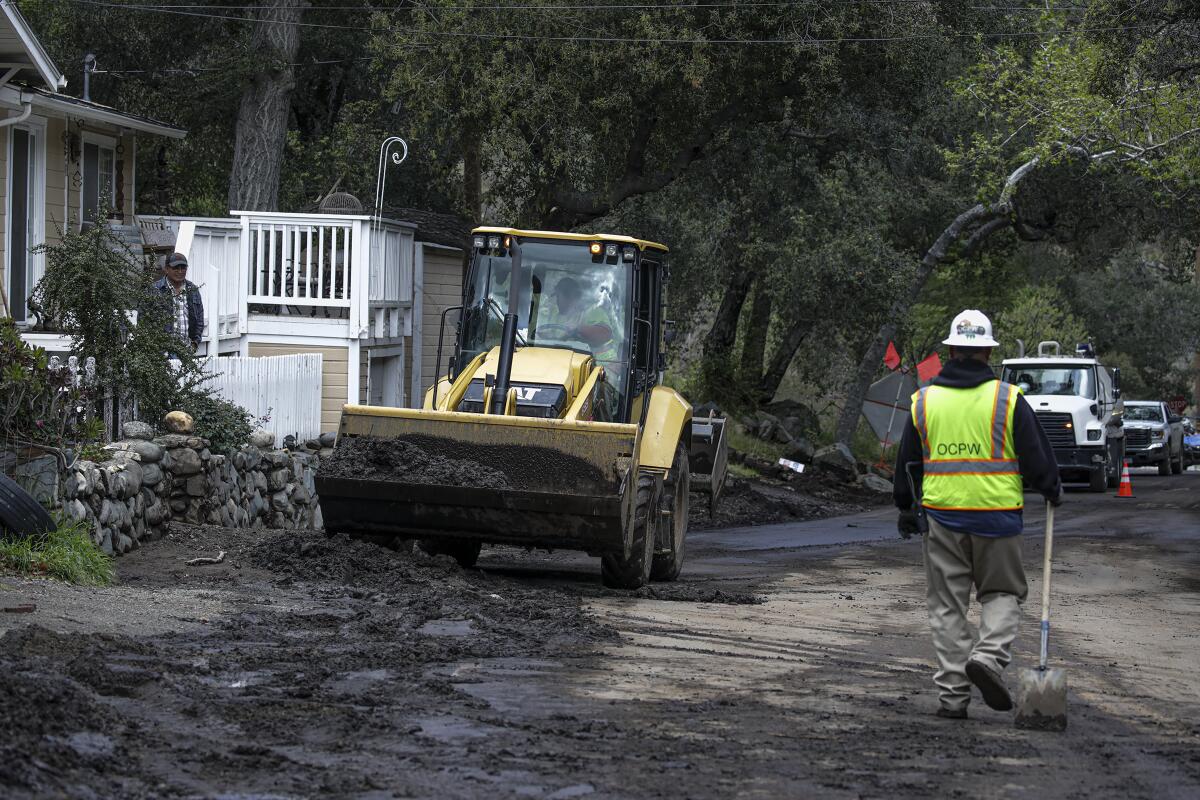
(66, 553)
(39, 405)
(224, 424)
(1038, 313)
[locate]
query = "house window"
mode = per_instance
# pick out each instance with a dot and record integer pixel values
(99, 182)
(24, 221)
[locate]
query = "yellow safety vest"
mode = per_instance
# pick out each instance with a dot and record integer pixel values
(967, 443)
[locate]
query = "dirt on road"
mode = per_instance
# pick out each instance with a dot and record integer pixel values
(305, 667)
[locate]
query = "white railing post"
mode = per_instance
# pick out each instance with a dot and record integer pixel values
(244, 272)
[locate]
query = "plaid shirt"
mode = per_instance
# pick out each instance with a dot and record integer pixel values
(179, 300)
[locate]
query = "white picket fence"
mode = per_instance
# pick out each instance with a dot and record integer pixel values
(287, 389)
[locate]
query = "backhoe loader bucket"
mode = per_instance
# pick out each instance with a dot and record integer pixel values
(489, 478)
(708, 458)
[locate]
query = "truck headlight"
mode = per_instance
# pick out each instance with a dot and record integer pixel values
(1094, 435)
(1159, 434)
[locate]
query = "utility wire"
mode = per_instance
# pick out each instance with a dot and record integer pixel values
(607, 7)
(808, 41)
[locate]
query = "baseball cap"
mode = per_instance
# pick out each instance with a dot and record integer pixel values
(177, 260)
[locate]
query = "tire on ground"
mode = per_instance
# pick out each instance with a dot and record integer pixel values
(1164, 466)
(633, 572)
(1098, 480)
(20, 514)
(676, 499)
(1177, 464)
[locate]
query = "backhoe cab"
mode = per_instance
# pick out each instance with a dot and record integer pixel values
(554, 390)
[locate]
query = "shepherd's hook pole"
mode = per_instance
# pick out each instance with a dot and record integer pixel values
(385, 153)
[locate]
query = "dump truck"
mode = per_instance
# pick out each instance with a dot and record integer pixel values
(549, 426)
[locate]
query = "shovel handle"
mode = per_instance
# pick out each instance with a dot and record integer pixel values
(1049, 549)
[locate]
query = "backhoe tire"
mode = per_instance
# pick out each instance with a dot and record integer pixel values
(464, 551)
(675, 499)
(633, 572)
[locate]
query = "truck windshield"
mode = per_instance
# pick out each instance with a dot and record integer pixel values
(1071, 381)
(1150, 413)
(570, 299)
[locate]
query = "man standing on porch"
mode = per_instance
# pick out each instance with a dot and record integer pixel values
(186, 318)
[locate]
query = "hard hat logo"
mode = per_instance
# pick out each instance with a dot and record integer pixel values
(970, 330)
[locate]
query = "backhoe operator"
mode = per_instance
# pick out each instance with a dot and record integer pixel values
(567, 316)
(969, 441)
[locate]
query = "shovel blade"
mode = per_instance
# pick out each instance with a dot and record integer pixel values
(1042, 700)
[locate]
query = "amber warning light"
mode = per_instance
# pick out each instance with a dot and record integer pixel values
(595, 248)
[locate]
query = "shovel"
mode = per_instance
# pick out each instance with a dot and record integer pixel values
(1042, 693)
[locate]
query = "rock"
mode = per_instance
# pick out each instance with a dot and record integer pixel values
(837, 460)
(276, 458)
(40, 478)
(252, 456)
(279, 501)
(313, 444)
(179, 422)
(327, 439)
(151, 474)
(326, 452)
(137, 430)
(155, 513)
(262, 439)
(765, 425)
(106, 513)
(76, 510)
(301, 496)
(124, 544)
(124, 480)
(260, 481)
(278, 520)
(876, 484)
(796, 418)
(196, 486)
(178, 505)
(182, 461)
(216, 461)
(194, 442)
(76, 485)
(800, 449)
(277, 480)
(148, 452)
(172, 440)
(105, 541)
(318, 522)
(781, 435)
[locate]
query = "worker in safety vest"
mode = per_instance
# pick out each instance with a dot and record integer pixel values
(567, 316)
(969, 441)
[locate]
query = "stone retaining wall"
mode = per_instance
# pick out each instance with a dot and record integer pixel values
(148, 482)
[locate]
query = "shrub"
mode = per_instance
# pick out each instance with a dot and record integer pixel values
(223, 423)
(66, 553)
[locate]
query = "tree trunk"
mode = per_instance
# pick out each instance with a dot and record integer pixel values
(718, 345)
(754, 341)
(781, 359)
(1196, 360)
(262, 119)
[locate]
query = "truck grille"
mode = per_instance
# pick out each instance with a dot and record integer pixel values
(1137, 437)
(1055, 424)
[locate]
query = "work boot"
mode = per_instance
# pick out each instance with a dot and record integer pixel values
(952, 713)
(990, 684)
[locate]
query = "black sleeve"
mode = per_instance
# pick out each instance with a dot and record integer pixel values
(909, 453)
(1034, 454)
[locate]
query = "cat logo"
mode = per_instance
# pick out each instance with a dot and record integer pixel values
(526, 392)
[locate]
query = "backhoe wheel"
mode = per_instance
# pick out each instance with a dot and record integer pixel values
(464, 551)
(616, 570)
(675, 500)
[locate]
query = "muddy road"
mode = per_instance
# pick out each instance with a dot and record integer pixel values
(789, 661)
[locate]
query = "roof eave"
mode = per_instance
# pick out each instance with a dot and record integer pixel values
(112, 117)
(41, 59)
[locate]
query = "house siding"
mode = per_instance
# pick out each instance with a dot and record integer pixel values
(443, 289)
(334, 364)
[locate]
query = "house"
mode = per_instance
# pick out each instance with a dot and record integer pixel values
(65, 160)
(366, 293)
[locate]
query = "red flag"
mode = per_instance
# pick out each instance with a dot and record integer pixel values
(928, 369)
(891, 358)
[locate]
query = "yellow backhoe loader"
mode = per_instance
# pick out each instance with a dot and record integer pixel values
(551, 427)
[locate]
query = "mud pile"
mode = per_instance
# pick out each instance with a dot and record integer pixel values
(371, 458)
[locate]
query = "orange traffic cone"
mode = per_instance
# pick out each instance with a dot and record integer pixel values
(1126, 487)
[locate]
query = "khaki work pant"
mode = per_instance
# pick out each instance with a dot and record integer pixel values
(953, 562)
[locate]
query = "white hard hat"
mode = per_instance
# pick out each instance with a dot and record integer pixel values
(971, 329)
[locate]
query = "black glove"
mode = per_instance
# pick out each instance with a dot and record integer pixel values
(1057, 500)
(907, 524)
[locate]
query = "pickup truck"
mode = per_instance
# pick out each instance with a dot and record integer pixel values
(1154, 436)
